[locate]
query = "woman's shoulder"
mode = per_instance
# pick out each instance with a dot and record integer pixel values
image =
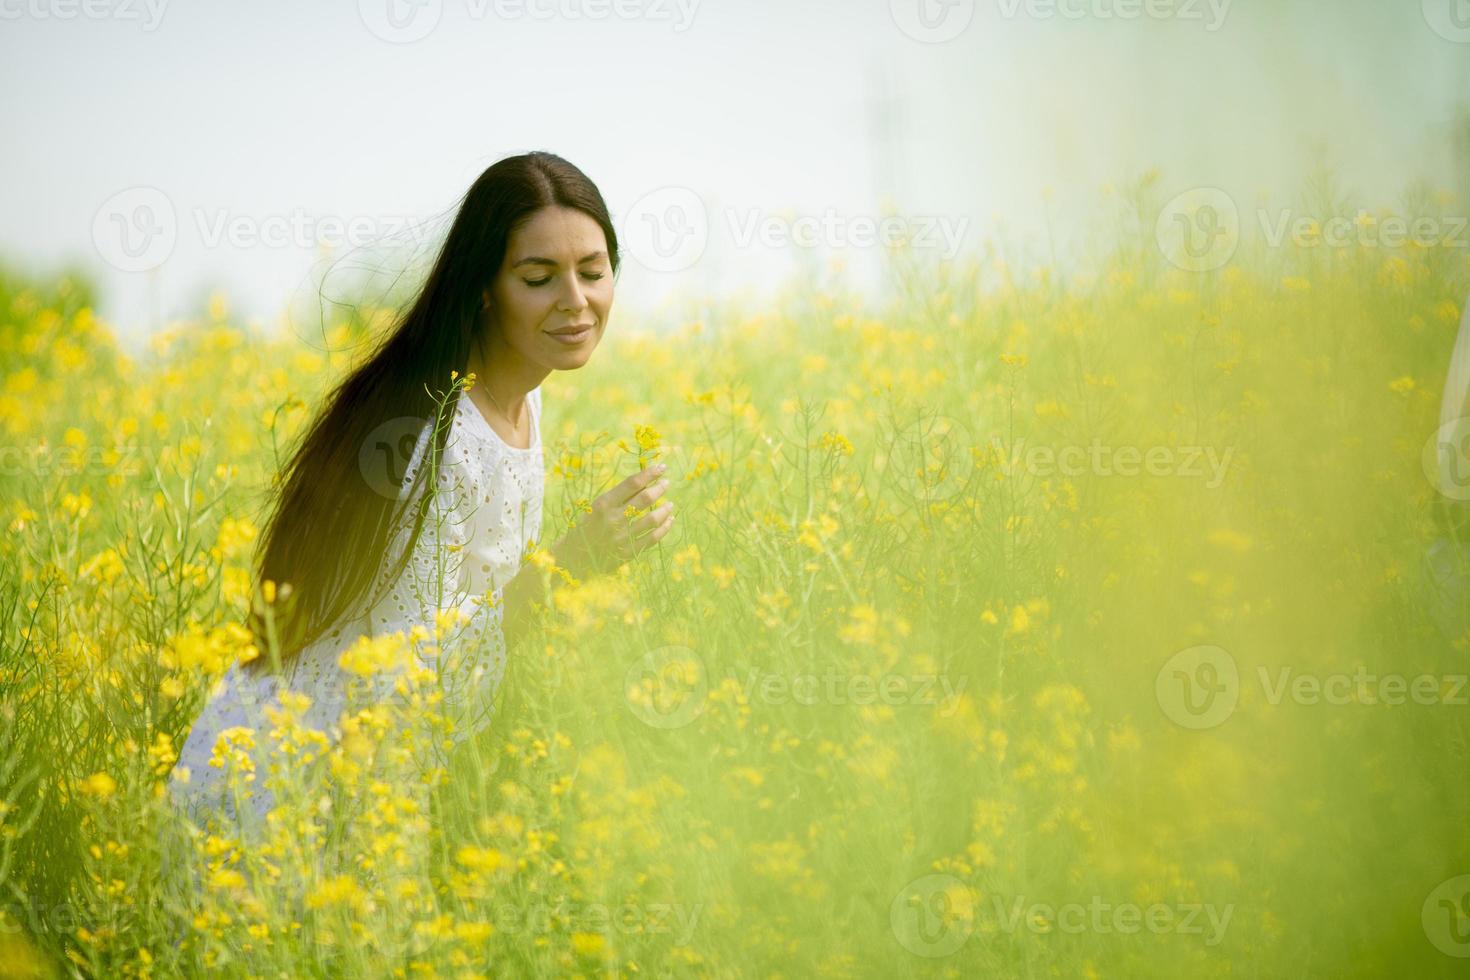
(471, 435)
(463, 441)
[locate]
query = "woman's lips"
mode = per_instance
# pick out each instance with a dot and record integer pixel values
(571, 339)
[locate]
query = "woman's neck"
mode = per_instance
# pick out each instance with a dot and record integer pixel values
(506, 375)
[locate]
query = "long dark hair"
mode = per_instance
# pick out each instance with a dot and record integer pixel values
(330, 528)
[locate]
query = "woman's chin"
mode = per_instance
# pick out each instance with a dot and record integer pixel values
(566, 357)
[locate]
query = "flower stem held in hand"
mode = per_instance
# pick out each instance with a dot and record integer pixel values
(618, 527)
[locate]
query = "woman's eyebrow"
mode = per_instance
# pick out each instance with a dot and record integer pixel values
(537, 260)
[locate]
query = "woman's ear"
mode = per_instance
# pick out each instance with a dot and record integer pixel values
(485, 299)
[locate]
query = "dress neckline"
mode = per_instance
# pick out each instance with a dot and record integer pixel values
(533, 399)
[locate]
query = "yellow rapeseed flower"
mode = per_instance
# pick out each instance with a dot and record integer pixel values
(482, 860)
(338, 890)
(100, 785)
(588, 943)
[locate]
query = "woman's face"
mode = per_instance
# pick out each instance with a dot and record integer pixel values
(551, 298)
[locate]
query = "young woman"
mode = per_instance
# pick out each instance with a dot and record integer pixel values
(523, 286)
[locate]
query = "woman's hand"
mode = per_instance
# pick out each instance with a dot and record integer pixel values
(608, 536)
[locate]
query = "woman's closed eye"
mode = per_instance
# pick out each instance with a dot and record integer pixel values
(593, 276)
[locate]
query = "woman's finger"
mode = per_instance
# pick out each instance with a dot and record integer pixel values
(653, 518)
(626, 490)
(644, 498)
(662, 529)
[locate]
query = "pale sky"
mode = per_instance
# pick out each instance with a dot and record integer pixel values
(265, 129)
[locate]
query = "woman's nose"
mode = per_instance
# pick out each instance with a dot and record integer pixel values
(573, 300)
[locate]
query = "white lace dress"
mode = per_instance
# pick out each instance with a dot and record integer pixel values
(489, 505)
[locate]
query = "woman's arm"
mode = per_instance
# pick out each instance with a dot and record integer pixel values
(618, 527)
(528, 587)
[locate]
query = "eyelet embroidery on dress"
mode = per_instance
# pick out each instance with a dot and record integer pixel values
(469, 548)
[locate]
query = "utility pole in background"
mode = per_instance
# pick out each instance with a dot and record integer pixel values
(1460, 152)
(885, 136)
